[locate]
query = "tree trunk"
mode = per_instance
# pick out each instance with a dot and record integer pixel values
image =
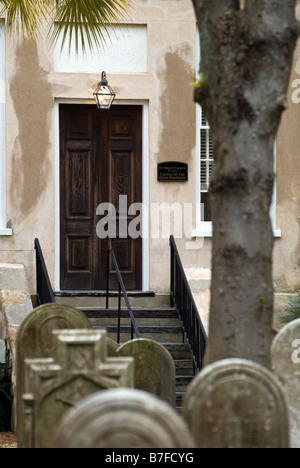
(246, 59)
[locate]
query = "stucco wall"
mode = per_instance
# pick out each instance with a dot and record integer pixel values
(33, 86)
(287, 249)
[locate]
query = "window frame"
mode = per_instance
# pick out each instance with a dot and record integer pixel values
(203, 228)
(4, 231)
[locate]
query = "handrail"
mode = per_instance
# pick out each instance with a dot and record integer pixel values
(134, 327)
(182, 298)
(44, 289)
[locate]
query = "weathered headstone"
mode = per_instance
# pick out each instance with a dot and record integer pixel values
(35, 340)
(286, 364)
(112, 347)
(54, 386)
(122, 418)
(154, 368)
(236, 404)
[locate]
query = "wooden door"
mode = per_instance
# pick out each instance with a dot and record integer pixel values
(100, 160)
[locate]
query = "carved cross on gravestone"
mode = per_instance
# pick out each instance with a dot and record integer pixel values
(54, 386)
(35, 340)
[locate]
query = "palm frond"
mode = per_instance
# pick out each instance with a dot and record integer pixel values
(84, 22)
(25, 16)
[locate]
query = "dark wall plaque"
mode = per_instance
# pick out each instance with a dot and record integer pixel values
(172, 172)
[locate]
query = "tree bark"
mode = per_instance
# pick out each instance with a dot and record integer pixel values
(246, 60)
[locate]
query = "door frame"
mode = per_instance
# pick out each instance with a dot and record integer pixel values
(145, 184)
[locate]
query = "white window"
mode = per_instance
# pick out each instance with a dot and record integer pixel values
(205, 160)
(3, 230)
(206, 165)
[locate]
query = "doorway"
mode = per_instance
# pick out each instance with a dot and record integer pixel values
(100, 160)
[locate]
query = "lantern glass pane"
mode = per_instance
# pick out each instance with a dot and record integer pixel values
(104, 97)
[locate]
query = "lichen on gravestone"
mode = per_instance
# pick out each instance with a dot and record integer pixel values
(154, 368)
(123, 418)
(236, 403)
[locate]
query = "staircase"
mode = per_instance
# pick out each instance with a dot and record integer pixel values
(152, 320)
(157, 323)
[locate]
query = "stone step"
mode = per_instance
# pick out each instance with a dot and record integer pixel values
(178, 351)
(179, 399)
(159, 317)
(163, 322)
(160, 324)
(98, 300)
(182, 382)
(184, 366)
(139, 313)
(171, 334)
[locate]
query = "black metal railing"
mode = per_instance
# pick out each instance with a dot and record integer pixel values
(44, 289)
(6, 397)
(182, 298)
(122, 292)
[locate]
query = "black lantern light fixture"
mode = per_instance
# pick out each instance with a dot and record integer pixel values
(104, 94)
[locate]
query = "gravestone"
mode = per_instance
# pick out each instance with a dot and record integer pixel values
(154, 368)
(122, 418)
(112, 347)
(236, 404)
(285, 354)
(54, 386)
(35, 340)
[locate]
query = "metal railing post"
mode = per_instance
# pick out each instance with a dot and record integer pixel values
(182, 298)
(119, 316)
(122, 290)
(107, 278)
(44, 289)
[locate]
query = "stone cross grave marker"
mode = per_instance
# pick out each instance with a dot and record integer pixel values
(122, 418)
(236, 404)
(35, 340)
(285, 354)
(54, 386)
(154, 368)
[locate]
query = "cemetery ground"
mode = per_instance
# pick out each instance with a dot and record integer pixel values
(8, 440)
(241, 403)
(270, 422)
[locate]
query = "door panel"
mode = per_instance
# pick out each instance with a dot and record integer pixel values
(79, 188)
(100, 160)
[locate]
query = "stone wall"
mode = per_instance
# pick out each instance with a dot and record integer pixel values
(15, 304)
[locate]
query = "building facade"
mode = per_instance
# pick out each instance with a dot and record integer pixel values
(64, 163)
